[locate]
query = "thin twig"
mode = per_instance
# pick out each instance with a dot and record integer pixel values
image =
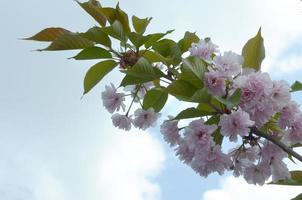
(272, 139)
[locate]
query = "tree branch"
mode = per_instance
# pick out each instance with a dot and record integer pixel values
(272, 139)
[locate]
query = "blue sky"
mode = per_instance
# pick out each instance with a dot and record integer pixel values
(55, 146)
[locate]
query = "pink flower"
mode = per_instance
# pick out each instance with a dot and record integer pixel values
(112, 100)
(121, 121)
(183, 152)
(230, 64)
(262, 112)
(256, 96)
(271, 152)
(243, 159)
(203, 49)
(279, 171)
(280, 94)
(170, 131)
(288, 114)
(257, 174)
(145, 118)
(215, 83)
(236, 123)
(210, 161)
(255, 87)
(198, 135)
(293, 134)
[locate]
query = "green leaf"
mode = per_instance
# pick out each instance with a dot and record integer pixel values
(94, 10)
(137, 39)
(299, 197)
(141, 72)
(69, 41)
(155, 98)
(116, 31)
(295, 180)
(140, 25)
(233, 100)
(49, 34)
(206, 108)
(152, 56)
(152, 38)
(169, 49)
(182, 90)
(197, 68)
(200, 96)
(195, 65)
(93, 53)
(164, 47)
(297, 86)
(97, 35)
(96, 73)
(117, 14)
(187, 41)
(254, 52)
(217, 137)
(189, 113)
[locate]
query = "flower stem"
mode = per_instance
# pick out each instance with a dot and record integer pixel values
(134, 96)
(272, 139)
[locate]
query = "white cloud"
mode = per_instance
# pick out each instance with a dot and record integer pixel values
(232, 188)
(127, 168)
(115, 166)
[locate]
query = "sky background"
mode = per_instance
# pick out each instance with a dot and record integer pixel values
(54, 145)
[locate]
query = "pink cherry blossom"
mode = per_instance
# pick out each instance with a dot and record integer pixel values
(212, 160)
(293, 134)
(145, 118)
(243, 159)
(271, 152)
(257, 174)
(183, 151)
(215, 82)
(230, 64)
(279, 171)
(170, 131)
(198, 135)
(262, 112)
(121, 121)
(203, 49)
(288, 114)
(112, 100)
(255, 87)
(234, 124)
(280, 94)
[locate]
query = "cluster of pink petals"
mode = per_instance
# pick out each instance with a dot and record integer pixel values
(197, 144)
(234, 124)
(113, 101)
(197, 148)
(203, 49)
(262, 100)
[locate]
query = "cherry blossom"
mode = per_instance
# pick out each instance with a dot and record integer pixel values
(121, 121)
(170, 131)
(112, 100)
(144, 119)
(212, 160)
(234, 124)
(203, 49)
(215, 83)
(230, 63)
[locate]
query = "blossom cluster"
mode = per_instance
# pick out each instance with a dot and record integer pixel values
(113, 101)
(262, 101)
